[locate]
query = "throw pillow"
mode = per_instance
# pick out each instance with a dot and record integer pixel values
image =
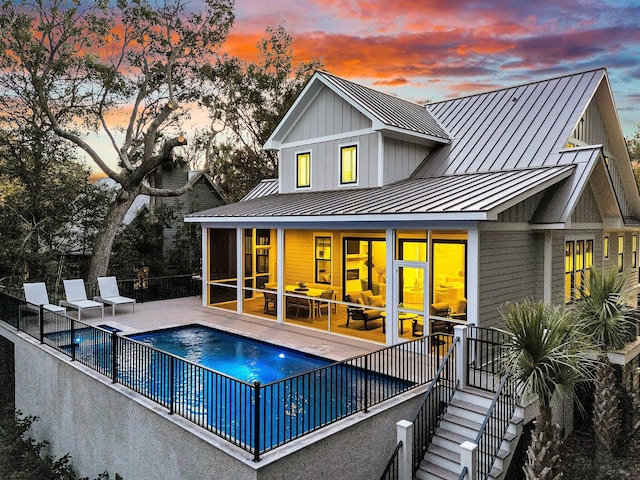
(376, 301)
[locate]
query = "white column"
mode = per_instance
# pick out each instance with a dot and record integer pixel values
(469, 459)
(473, 273)
(462, 356)
(391, 298)
(404, 434)
(205, 265)
(280, 304)
(239, 269)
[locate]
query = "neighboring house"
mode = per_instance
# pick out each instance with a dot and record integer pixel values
(203, 195)
(444, 211)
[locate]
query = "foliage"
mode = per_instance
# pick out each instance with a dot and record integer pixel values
(140, 244)
(82, 66)
(20, 455)
(633, 145)
(546, 356)
(604, 317)
(41, 211)
(185, 255)
(248, 101)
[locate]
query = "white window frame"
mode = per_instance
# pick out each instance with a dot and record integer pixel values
(302, 152)
(347, 145)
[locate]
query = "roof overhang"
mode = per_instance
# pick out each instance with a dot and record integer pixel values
(456, 198)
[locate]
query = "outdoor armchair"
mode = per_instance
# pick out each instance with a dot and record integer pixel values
(110, 294)
(76, 297)
(36, 294)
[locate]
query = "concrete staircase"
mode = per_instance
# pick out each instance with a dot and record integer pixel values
(461, 423)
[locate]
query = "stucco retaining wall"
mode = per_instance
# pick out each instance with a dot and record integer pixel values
(105, 426)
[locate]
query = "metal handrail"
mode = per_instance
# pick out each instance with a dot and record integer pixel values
(391, 470)
(436, 403)
(463, 473)
(499, 416)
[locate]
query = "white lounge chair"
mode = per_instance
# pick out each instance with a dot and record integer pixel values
(77, 297)
(36, 294)
(110, 294)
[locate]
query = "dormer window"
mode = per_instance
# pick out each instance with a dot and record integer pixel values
(303, 170)
(348, 164)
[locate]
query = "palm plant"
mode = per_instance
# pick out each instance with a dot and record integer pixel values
(545, 355)
(603, 315)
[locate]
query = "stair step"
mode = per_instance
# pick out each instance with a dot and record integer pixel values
(445, 453)
(472, 407)
(430, 471)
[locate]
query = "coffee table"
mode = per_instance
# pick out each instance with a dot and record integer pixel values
(402, 317)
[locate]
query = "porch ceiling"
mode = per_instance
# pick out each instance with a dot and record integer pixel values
(474, 196)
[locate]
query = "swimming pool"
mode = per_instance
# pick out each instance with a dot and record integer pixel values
(254, 394)
(240, 357)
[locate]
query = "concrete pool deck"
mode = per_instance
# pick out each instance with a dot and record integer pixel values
(183, 311)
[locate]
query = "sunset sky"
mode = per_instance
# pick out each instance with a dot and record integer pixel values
(436, 49)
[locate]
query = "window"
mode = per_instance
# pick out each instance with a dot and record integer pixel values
(634, 251)
(578, 262)
(348, 164)
(323, 260)
(303, 170)
(605, 247)
(620, 253)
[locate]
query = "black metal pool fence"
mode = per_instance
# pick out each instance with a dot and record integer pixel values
(253, 416)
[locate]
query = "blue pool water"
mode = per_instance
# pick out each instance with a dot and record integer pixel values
(239, 357)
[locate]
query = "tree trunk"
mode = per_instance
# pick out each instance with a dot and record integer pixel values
(606, 419)
(104, 240)
(543, 458)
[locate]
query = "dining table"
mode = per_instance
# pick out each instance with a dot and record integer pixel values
(312, 293)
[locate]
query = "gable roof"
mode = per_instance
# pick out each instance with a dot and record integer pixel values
(386, 112)
(510, 128)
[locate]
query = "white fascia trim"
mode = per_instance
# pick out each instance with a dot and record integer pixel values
(380, 159)
(423, 136)
(336, 219)
(549, 226)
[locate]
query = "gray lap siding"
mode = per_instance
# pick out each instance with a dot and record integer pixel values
(511, 266)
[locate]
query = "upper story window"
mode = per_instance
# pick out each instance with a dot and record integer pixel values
(303, 169)
(578, 262)
(348, 164)
(620, 253)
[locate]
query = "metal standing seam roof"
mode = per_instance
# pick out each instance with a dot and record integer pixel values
(488, 192)
(265, 187)
(390, 110)
(512, 128)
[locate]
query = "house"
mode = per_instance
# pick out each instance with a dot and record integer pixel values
(443, 211)
(203, 195)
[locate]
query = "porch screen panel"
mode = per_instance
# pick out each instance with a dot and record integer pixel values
(222, 265)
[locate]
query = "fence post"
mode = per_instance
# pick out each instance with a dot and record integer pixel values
(462, 362)
(73, 340)
(404, 434)
(41, 318)
(256, 425)
(171, 384)
(114, 357)
(366, 383)
(469, 459)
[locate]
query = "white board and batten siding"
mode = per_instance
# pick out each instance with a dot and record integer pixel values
(510, 270)
(401, 158)
(326, 116)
